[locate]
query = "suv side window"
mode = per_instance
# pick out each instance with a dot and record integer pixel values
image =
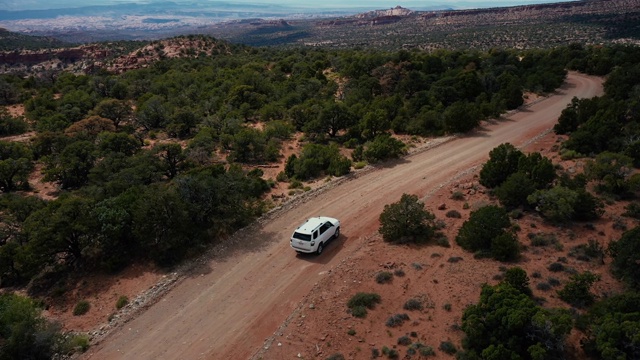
(325, 227)
(315, 234)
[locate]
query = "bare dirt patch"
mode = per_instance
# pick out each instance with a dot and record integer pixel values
(16, 110)
(102, 291)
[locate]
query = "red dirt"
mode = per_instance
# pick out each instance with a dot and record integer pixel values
(16, 110)
(251, 297)
(102, 292)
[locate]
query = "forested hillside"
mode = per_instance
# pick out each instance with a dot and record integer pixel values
(11, 41)
(160, 162)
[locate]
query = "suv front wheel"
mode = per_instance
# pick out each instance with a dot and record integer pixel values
(337, 234)
(320, 248)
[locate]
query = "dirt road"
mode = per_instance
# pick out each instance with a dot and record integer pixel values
(233, 302)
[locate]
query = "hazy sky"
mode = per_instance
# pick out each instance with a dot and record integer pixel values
(373, 4)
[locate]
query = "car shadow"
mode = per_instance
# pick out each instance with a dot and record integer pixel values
(330, 251)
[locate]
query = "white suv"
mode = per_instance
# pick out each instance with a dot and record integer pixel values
(314, 234)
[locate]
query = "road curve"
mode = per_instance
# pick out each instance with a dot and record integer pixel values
(228, 307)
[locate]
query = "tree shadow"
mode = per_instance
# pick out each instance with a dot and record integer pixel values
(480, 131)
(391, 163)
(565, 86)
(248, 239)
(524, 109)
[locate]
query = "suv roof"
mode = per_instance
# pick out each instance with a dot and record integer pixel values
(310, 225)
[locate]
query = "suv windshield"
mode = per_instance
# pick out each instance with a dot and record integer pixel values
(299, 236)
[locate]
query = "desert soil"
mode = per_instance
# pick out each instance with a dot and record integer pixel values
(252, 297)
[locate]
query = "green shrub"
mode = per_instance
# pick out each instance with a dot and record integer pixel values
(577, 291)
(542, 239)
(364, 299)
(457, 195)
(516, 213)
(632, 210)
(513, 192)
(556, 267)
(396, 320)
(295, 184)
(503, 161)
(81, 308)
(625, 253)
(505, 247)
(406, 221)
(383, 147)
(122, 302)
(553, 281)
(77, 342)
(555, 204)
(567, 154)
(544, 286)
(393, 354)
(360, 302)
(518, 278)
(453, 214)
(442, 240)
(358, 154)
(413, 304)
(447, 307)
(317, 160)
(613, 325)
(486, 320)
(279, 129)
(336, 356)
(587, 207)
(384, 277)
(359, 311)
(426, 351)
(10, 125)
(404, 340)
(351, 143)
(359, 165)
(611, 171)
(586, 252)
(351, 332)
(282, 177)
(25, 333)
(448, 347)
(398, 272)
(483, 225)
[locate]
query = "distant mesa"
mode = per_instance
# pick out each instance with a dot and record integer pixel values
(396, 11)
(375, 17)
(271, 23)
